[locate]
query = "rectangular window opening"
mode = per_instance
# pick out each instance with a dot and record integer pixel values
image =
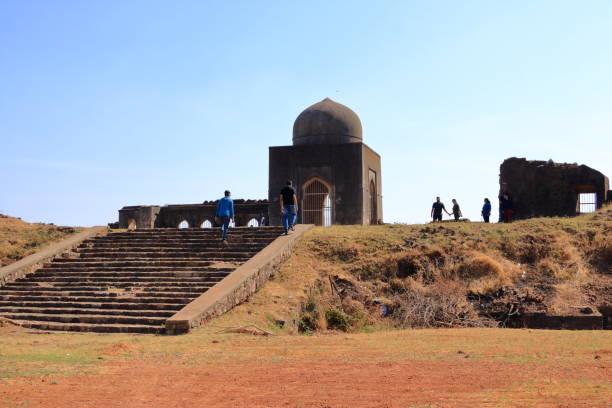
(587, 202)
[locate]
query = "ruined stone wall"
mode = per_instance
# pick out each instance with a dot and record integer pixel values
(144, 216)
(546, 188)
(170, 216)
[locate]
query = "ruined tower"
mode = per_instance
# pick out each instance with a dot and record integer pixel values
(548, 189)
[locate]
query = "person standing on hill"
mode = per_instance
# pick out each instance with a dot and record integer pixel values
(288, 206)
(507, 207)
(486, 210)
(225, 214)
(456, 210)
(436, 210)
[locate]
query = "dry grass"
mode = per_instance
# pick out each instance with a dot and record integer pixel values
(19, 239)
(437, 274)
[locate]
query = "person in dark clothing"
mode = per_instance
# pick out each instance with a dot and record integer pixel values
(486, 210)
(456, 210)
(225, 213)
(288, 206)
(436, 210)
(507, 206)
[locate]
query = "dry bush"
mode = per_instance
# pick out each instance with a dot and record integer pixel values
(336, 251)
(443, 305)
(352, 306)
(408, 263)
(421, 264)
(481, 273)
(479, 266)
(600, 255)
(530, 248)
(548, 268)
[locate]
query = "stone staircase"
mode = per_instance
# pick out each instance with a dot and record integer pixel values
(129, 282)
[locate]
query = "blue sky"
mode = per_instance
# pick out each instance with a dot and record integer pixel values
(112, 103)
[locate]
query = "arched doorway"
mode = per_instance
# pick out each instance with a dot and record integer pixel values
(206, 224)
(316, 203)
(183, 224)
(253, 223)
(373, 204)
(131, 224)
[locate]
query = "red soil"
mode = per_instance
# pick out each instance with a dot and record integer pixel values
(302, 383)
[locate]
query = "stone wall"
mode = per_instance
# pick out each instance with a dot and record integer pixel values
(546, 188)
(170, 216)
(343, 166)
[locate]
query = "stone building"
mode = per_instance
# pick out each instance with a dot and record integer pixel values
(337, 177)
(546, 188)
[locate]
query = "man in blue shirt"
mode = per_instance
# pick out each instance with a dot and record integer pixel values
(225, 212)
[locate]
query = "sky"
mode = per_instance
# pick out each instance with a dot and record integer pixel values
(112, 103)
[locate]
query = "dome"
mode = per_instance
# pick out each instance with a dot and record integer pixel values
(327, 122)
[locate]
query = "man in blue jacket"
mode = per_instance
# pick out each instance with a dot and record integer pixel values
(225, 212)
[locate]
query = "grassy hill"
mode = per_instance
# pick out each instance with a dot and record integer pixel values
(356, 278)
(19, 239)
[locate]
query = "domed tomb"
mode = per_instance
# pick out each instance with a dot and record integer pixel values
(327, 122)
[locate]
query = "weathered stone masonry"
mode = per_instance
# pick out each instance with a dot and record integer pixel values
(547, 189)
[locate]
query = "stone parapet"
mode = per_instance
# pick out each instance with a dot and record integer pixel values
(237, 286)
(30, 263)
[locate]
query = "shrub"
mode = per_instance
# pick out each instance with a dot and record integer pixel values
(479, 266)
(309, 316)
(337, 319)
(409, 265)
(601, 255)
(440, 306)
(482, 273)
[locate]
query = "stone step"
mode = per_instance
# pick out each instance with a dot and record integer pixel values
(85, 318)
(176, 248)
(201, 255)
(94, 262)
(171, 307)
(104, 294)
(160, 229)
(96, 328)
(227, 267)
(155, 247)
(102, 299)
(216, 243)
(129, 282)
(192, 235)
(111, 293)
(101, 288)
(235, 230)
(74, 311)
(85, 274)
(168, 243)
(161, 284)
(111, 280)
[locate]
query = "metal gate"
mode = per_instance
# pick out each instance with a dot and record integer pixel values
(587, 202)
(316, 204)
(373, 204)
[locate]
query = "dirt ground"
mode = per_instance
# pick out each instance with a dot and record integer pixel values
(412, 368)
